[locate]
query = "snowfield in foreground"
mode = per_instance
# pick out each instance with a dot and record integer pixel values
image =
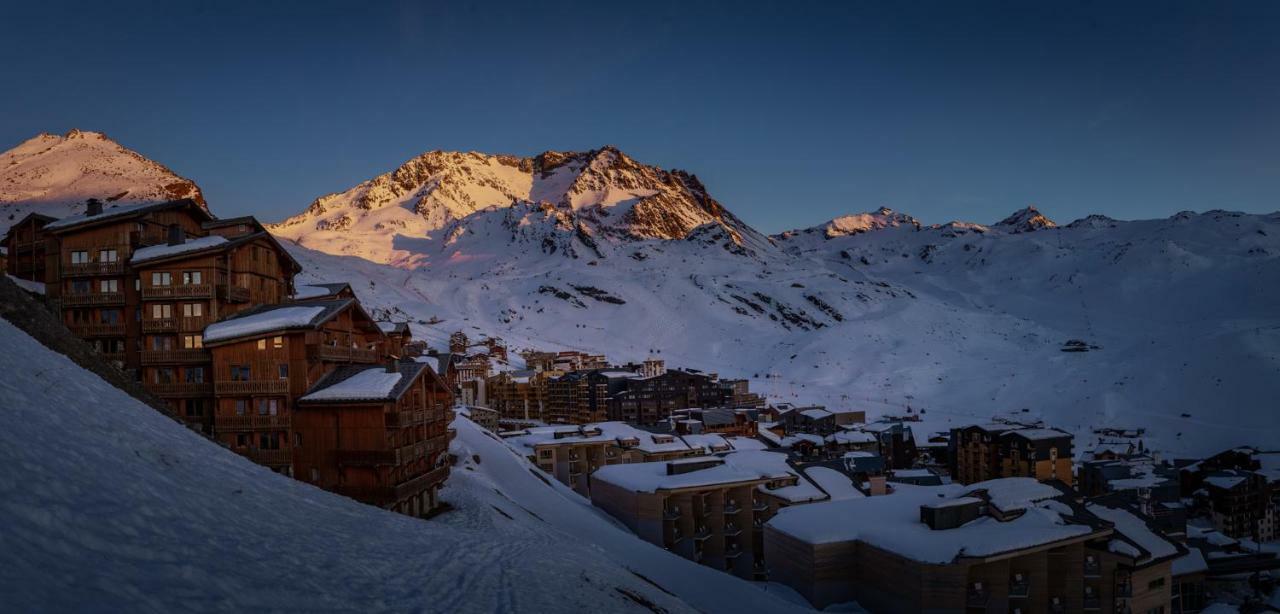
(107, 505)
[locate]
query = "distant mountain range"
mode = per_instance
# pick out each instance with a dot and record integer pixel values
(958, 321)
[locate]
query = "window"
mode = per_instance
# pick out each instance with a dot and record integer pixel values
(193, 310)
(164, 375)
(262, 344)
(108, 285)
(315, 474)
(192, 277)
(269, 441)
(268, 407)
(240, 408)
(192, 342)
(242, 440)
(284, 371)
(195, 408)
(277, 342)
(195, 375)
(162, 343)
(107, 255)
(79, 257)
(80, 286)
(544, 453)
(111, 316)
(160, 310)
(161, 279)
(239, 373)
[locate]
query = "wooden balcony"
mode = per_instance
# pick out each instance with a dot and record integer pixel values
(253, 422)
(367, 458)
(117, 356)
(93, 268)
(270, 458)
(400, 419)
(87, 299)
(177, 292)
(253, 387)
(160, 325)
(235, 294)
(417, 484)
(175, 357)
(184, 389)
(97, 330)
(387, 495)
(331, 353)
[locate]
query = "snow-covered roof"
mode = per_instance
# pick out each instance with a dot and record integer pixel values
(1038, 434)
(28, 285)
(304, 292)
(836, 484)
(1010, 494)
(850, 437)
(263, 322)
(1135, 530)
(600, 432)
(893, 523)
(164, 251)
(1226, 482)
(815, 413)
(1191, 562)
(371, 383)
(109, 213)
(652, 477)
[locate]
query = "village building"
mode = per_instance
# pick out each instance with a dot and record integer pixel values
(570, 454)
(376, 433)
(24, 244)
(984, 452)
(819, 420)
(711, 510)
(265, 358)
(518, 395)
(730, 421)
(1240, 490)
(651, 400)
(1004, 545)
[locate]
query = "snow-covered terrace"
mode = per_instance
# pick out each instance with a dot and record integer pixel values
(164, 251)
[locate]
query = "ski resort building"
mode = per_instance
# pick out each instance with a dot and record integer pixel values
(708, 509)
(25, 248)
(984, 452)
(376, 433)
(650, 400)
(1005, 545)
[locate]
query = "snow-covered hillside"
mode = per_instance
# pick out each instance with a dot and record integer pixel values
(107, 505)
(960, 320)
(55, 175)
(599, 192)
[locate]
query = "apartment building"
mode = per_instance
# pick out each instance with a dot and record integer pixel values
(709, 509)
(265, 358)
(1005, 545)
(984, 452)
(651, 400)
(25, 248)
(378, 434)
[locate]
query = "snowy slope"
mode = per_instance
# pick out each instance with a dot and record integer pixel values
(880, 311)
(55, 175)
(107, 505)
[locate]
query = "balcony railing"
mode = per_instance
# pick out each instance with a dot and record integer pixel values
(732, 530)
(1019, 587)
(253, 387)
(759, 505)
(1092, 567)
(236, 294)
(184, 356)
(335, 353)
(702, 533)
(182, 389)
(113, 356)
(732, 552)
(79, 299)
(732, 508)
(270, 457)
(671, 513)
(422, 482)
(367, 458)
(176, 292)
(97, 330)
(399, 419)
(159, 325)
(93, 268)
(230, 424)
(977, 598)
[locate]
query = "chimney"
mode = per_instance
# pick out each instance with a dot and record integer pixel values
(391, 365)
(176, 236)
(93, 207)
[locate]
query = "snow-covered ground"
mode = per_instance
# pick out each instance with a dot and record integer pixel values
(956, 322)
(106, 505)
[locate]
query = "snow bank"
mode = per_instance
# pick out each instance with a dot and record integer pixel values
(115, 507)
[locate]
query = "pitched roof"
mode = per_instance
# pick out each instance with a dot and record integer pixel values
(121, 212)
(310, 292)
(248, 220)
(274, 318)
(364, 383)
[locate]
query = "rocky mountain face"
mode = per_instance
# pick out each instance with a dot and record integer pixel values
(578, 198)
(55, 175)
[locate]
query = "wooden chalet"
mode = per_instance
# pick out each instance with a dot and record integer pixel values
(378, 434)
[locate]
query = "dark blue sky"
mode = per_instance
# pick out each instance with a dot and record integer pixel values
(791, 113)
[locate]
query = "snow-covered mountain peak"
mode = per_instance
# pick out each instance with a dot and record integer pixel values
(398, 216)
(55, 175)
(1027, 219)
(848, 225)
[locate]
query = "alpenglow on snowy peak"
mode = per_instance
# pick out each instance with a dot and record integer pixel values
(598, 194)
(55, 175)
(1026, 220)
